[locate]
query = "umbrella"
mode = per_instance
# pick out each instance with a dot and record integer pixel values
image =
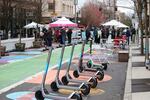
(33, 25)
(115, 23)
(63, 22)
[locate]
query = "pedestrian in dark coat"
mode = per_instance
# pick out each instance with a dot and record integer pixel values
(63, 35)
(128, 34)
(69, 34)
(88, 34)
(48, 38)
(133, 33)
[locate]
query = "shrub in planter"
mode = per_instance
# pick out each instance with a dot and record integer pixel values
(3, 50)
(20, 46)
(37, 43)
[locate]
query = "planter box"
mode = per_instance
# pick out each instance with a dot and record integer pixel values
(20, 46)
(37, 44)
(2, 50)
(123, 56)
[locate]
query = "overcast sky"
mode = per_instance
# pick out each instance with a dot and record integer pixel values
(126, 3)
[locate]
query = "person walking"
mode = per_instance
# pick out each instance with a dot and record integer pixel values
(99, 36)
(113, 33)
(104, 35)
(57, 35)
(133, 32)
(88, 34)
(69, 34)
(128, 34)
(95, 34)
(47, 39)
(63, 35)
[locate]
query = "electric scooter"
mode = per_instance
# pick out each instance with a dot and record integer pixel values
(91, 64)
(57, 84)
(43, 93)
(92, 81)
(99, 74)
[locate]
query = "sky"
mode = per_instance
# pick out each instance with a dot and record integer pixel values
(126, 3)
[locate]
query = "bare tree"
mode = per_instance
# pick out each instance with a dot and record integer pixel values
(6, 15)
(139, 9)
(92, 14)
(146, 32)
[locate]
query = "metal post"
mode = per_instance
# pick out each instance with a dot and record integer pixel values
(75, 5)
(109, 9)
(114, 9)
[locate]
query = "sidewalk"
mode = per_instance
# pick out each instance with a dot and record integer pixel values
(137, 86)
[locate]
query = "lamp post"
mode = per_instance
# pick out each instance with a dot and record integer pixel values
(75, 5)
(114, 9)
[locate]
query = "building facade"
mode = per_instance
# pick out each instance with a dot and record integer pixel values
(57, 8)
(15, 14)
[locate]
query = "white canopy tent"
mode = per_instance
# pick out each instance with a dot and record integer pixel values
(121, 25)
(33, 25)
(63, 22)
(115, 23)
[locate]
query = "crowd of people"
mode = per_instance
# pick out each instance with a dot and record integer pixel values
(59, 35)
(98, 34)
(101, 34)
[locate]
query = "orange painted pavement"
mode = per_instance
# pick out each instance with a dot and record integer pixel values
(52, 74)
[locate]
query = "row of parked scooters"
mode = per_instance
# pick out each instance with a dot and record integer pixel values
(82, 87)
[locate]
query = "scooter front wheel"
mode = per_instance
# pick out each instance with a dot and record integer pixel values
(85, 89)
(76, 96)
(100, 75)
(94, 82)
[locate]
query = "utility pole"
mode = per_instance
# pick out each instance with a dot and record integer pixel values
(114, 2)
(75, 5)
(109, 8)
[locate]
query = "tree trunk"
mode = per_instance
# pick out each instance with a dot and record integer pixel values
(146, 33)
(141, 27)
(139, 6)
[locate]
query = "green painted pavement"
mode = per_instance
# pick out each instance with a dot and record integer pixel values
(17, 71)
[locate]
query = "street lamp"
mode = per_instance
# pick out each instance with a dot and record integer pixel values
(75, 5)
(115, 9)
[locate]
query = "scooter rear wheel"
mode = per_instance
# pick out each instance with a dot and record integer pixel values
(75, 74)
(64, 80)
(89, 64)
(54, 86)
(105, 66)
(38, 95)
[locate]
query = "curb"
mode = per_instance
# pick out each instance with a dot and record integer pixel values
(128, 91)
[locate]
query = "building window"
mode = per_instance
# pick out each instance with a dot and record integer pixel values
(51, 6)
